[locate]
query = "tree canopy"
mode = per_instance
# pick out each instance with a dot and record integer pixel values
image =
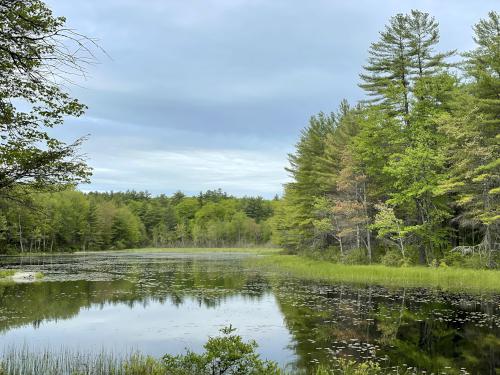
(38, 55)
(415, 167)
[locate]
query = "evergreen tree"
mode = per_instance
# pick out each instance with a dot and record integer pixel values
(473, 141)
(311, 175)
(387, 74)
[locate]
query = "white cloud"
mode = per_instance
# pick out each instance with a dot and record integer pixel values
(237, 172)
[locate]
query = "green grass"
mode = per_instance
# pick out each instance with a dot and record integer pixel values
(205, 250)
(445, 278)
(7, 273)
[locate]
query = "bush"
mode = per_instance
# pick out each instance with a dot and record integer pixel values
(393, 258)
(227, 354)
(355, 256)
(454, 259)
(476, 261)
(330, 254)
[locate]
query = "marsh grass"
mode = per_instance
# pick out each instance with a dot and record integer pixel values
(7, 273)
(449, 278)
(24, 361)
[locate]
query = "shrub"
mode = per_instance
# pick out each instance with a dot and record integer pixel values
(476, 261)
(454, 259)
(355, 256)
(330, 254)
(227, 354)
(393, 258)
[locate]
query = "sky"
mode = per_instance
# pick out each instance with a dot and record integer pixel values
(207, 94)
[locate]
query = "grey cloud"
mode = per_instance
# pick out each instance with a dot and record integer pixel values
(227, 84)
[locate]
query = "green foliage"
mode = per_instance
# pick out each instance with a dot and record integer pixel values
(389, 226)
(226, 354)
(392, 259)
(475, 261)
(7, 273)
(414, 167)
(38, 52)
(71, 220)
(355, 256)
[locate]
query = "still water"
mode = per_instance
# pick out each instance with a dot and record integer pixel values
(163, 303)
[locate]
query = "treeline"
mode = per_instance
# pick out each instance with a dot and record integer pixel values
(413, 171)
(71, 220)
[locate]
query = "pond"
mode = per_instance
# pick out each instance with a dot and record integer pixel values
(161, 303)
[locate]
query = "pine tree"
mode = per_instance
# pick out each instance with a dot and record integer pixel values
(387, 74)
(310, 173)
(423, 37)
(403, 54)
(473, 141)
(483, 67)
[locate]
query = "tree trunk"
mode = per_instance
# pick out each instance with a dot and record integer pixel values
(369, 244)
(20, 234)
(368, 231)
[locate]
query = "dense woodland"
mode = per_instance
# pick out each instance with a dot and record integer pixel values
(71, 220)
(413, 170)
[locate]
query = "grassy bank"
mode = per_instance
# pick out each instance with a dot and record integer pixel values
(444, 278)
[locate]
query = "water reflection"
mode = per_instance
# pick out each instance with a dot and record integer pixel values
(161, 303)
(421, 328)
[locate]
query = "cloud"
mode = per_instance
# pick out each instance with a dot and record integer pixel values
(239, 172)
(213, 93)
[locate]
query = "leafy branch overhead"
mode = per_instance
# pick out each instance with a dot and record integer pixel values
(39, 56)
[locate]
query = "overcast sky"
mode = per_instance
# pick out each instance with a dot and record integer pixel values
(202, 94)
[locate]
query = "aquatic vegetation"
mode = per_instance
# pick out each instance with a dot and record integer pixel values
(224, 355)
(447, 278)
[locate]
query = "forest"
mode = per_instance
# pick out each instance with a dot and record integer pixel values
(412, 172)
(73, 221)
